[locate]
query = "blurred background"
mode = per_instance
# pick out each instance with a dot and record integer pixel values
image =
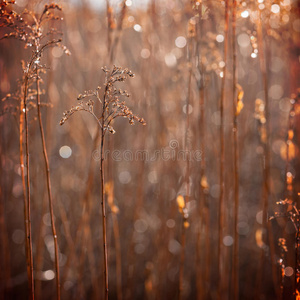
(176, 51)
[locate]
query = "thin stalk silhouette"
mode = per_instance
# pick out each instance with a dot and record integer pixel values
(103, 200)
(110, 108)
(49, 191)
(235, 159)
(27, 205)
(222, 155)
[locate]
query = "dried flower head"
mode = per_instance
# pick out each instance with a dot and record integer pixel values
(34, 31)
(111, 104)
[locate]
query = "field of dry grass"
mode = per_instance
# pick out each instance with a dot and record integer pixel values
(199, 203)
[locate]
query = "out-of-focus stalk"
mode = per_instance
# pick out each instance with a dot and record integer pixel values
(27, 200)
(222, 154)
(49, 191)
(235, 277)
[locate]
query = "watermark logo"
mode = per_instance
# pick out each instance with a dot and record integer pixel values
(170, 153)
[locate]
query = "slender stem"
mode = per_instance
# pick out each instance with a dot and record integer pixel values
(40, 250)
(114, 47)
(266, 226)
(296, 268)
(265, 147)
(28, 202)
(46, 160)
(5, 275)
(118, 255)
(21, 132)
(109, 20)
(80, 226)
(22, 165)
(182, 257)
(235, 159)
(265, 84)
(222, 154)
(202, 270)
(103, 199)
(187, 179)
(205, 207)
(92, 263)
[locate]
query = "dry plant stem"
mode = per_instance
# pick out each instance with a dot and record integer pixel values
(202, 200)
(66, 225)
(222, 155)
(71, 254)
(130, 287)
(104, 221)
(206, 212)
(296, 267)
(81, 225)
(80, 283)
(47, 167)
(202, 270)
(265, 202)
(118, 255)
(289, 196)
(22, 165)
(103, 201)
(266, 155)
(108, 16)
(2, 240)
(266, 148)
(21, 132)
(266, 226)
(87, 247)
(92, 262)
(110, 173)
(5, 274)
(183, 238)
(235, 160)
(116, 233)
(111, 108)
(28, 243)
(89, 187)
(40, 250)
(273, 261)
(115, 44)
(182, 257)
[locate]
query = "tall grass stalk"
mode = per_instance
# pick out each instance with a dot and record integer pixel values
(49, 191)
(110, 25)
(39, 261)
(265, 204)
(27, 202)
(235, 278)
(109, 191)
(115, 43)
(5, 274)
(28, 245)
(203, 265)
(182, 258)
(186, 146)
(118, 255)
(28, 27)
(266, 226)
(110, 108)
(103, 199)
(112, 46)
(222, 155)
